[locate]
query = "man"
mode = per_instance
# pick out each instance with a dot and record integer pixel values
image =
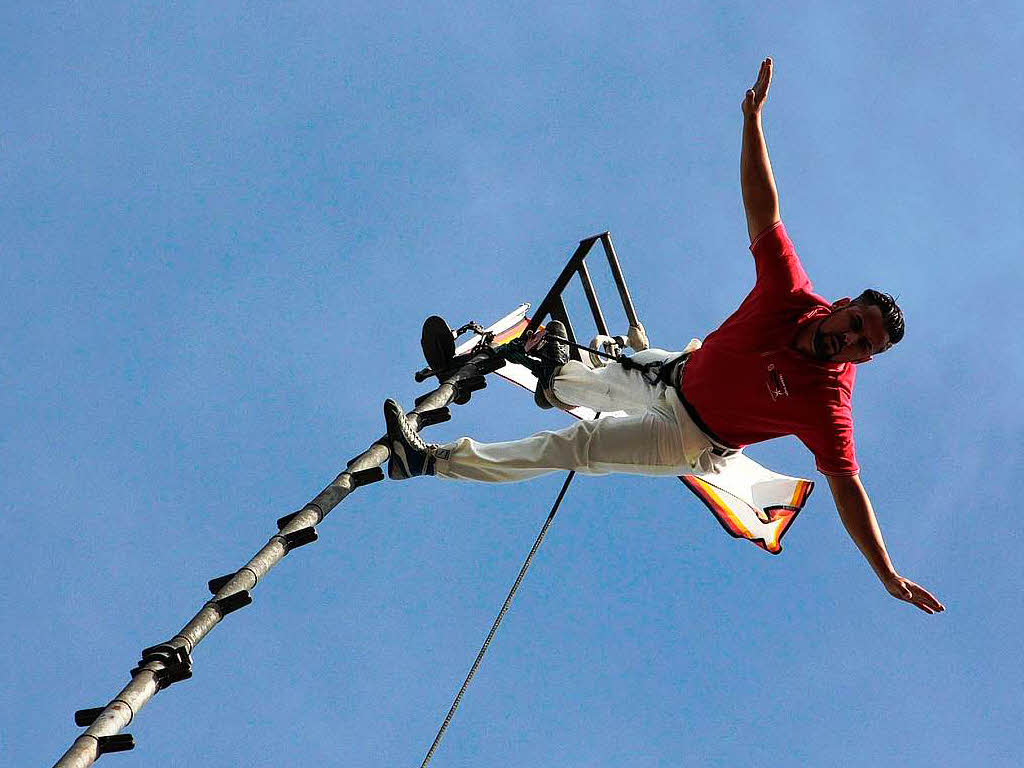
(783, 364)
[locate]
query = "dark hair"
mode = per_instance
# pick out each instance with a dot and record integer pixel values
(892, 315)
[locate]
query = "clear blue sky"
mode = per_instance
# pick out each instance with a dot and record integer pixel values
(222, 227)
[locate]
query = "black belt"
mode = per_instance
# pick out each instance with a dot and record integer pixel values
(674, 378)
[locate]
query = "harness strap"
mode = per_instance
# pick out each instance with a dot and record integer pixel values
(663, 371)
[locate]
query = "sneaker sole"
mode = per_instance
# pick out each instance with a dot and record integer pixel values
(398, 462)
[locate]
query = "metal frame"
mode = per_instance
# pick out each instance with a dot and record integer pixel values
(554, 306)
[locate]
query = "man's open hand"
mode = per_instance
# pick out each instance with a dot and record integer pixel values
(905, 589)
(757, 95)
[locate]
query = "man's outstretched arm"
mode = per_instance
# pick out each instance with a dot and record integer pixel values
(855, 511)
(760, 198)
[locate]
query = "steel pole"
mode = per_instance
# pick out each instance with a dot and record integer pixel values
(171, 661)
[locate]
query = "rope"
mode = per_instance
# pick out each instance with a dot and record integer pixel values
(497, 621)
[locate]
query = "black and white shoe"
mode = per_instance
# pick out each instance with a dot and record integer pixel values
(552, 353)
(410, 456)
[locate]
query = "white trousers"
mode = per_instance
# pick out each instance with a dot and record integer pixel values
(655, 436)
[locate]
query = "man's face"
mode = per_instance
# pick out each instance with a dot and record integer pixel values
(851, 334)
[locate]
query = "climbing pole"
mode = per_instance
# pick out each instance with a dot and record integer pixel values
(170, 661)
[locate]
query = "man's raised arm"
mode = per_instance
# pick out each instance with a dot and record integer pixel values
(855, 511)
(760, 198)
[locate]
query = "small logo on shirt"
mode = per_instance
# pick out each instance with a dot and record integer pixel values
(776, 383)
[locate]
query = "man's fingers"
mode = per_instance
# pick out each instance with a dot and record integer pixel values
(766, 76)
(920, 605)
(925, 606)
(764, 79)
(922, 598)
(755, 97)
(907, 595)
(929, 599)
(924, 595)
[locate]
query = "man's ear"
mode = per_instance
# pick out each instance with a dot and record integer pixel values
(840, 303)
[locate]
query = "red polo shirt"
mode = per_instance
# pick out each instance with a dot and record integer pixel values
(747, 384)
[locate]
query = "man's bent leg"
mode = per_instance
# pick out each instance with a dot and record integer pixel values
(611, 387)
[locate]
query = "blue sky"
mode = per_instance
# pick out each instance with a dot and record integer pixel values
(223, 226)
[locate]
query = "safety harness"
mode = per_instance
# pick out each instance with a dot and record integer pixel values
(668, 372)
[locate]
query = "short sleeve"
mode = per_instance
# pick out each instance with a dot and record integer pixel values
(830, 439)
(776, 262)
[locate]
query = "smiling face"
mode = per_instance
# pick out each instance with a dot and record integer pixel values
(852, 333)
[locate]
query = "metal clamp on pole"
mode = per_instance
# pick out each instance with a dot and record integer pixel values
(283, 521)
(464, 388)
(119, 742)
(233, 602)
(296, 539)
(176, 664)
(367, 476)
(430, 418)
(86, 717)
(216, 585)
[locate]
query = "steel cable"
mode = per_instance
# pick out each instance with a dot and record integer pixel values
(497, 621)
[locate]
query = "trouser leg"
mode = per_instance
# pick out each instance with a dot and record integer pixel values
(645, 444)
(610, 388)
